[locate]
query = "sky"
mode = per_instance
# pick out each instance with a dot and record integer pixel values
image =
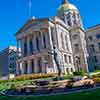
(14, 13)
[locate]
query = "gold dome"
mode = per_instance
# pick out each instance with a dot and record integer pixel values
(66, 7)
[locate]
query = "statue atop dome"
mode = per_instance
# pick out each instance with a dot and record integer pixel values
(64, 1)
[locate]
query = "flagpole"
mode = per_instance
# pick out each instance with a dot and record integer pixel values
(30, 8)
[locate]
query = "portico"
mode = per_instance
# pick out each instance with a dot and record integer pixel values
(34, 52)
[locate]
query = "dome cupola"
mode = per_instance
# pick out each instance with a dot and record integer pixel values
(69, 14)
(65, 7)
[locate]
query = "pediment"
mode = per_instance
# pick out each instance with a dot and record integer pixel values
(32, 22)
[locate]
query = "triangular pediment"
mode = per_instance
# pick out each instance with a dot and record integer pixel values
(29, 23)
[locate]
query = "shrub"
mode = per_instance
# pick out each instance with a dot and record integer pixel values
(81, 73)
(97, 70)
(3, 81)
(65, 77)
(97, 80)
(96, 76)
(55, 79)
(13, 87)
(32, 76)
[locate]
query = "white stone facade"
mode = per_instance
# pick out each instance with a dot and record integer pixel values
(38, 36)
(41, 40)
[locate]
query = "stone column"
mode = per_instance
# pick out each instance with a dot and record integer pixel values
(29, 68)
(43, 65)
(22, 47)
(18, 49)
(47, 39)
(17, 68)
(22, 68)
(35, 65)
(42, 41)
(34, 44)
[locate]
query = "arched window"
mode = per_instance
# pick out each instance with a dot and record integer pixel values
(69, 22)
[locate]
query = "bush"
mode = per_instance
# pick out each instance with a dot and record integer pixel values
(13, 87)
(96, 76)
(80, 73)
(3, 81)
(65, 77)
(97, 70)
(97, 80)
(55, 79)
(32, 76)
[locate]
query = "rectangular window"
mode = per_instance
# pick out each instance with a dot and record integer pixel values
(32, 66)
(37, 43)
(25, 49)
(31, 47)
(76, 47)
(92, 49)
(70, 60)
(95, 59)
(99, 45)
(44, 40)
(65, 57)
(98, 36)
(66, 40)
(90, 38)
(69, 23)
(62, 40)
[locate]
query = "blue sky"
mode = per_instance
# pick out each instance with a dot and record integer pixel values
(14, 13)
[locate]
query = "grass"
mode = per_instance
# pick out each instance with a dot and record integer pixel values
(87, 95)
(6, 84)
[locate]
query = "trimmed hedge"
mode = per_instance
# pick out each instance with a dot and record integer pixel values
(97, 80)
(81, 73)
(96, 76)
(33, 76)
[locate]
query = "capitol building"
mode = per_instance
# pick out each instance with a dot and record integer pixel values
(38, 36)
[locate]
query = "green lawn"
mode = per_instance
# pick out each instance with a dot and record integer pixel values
(89, 95)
